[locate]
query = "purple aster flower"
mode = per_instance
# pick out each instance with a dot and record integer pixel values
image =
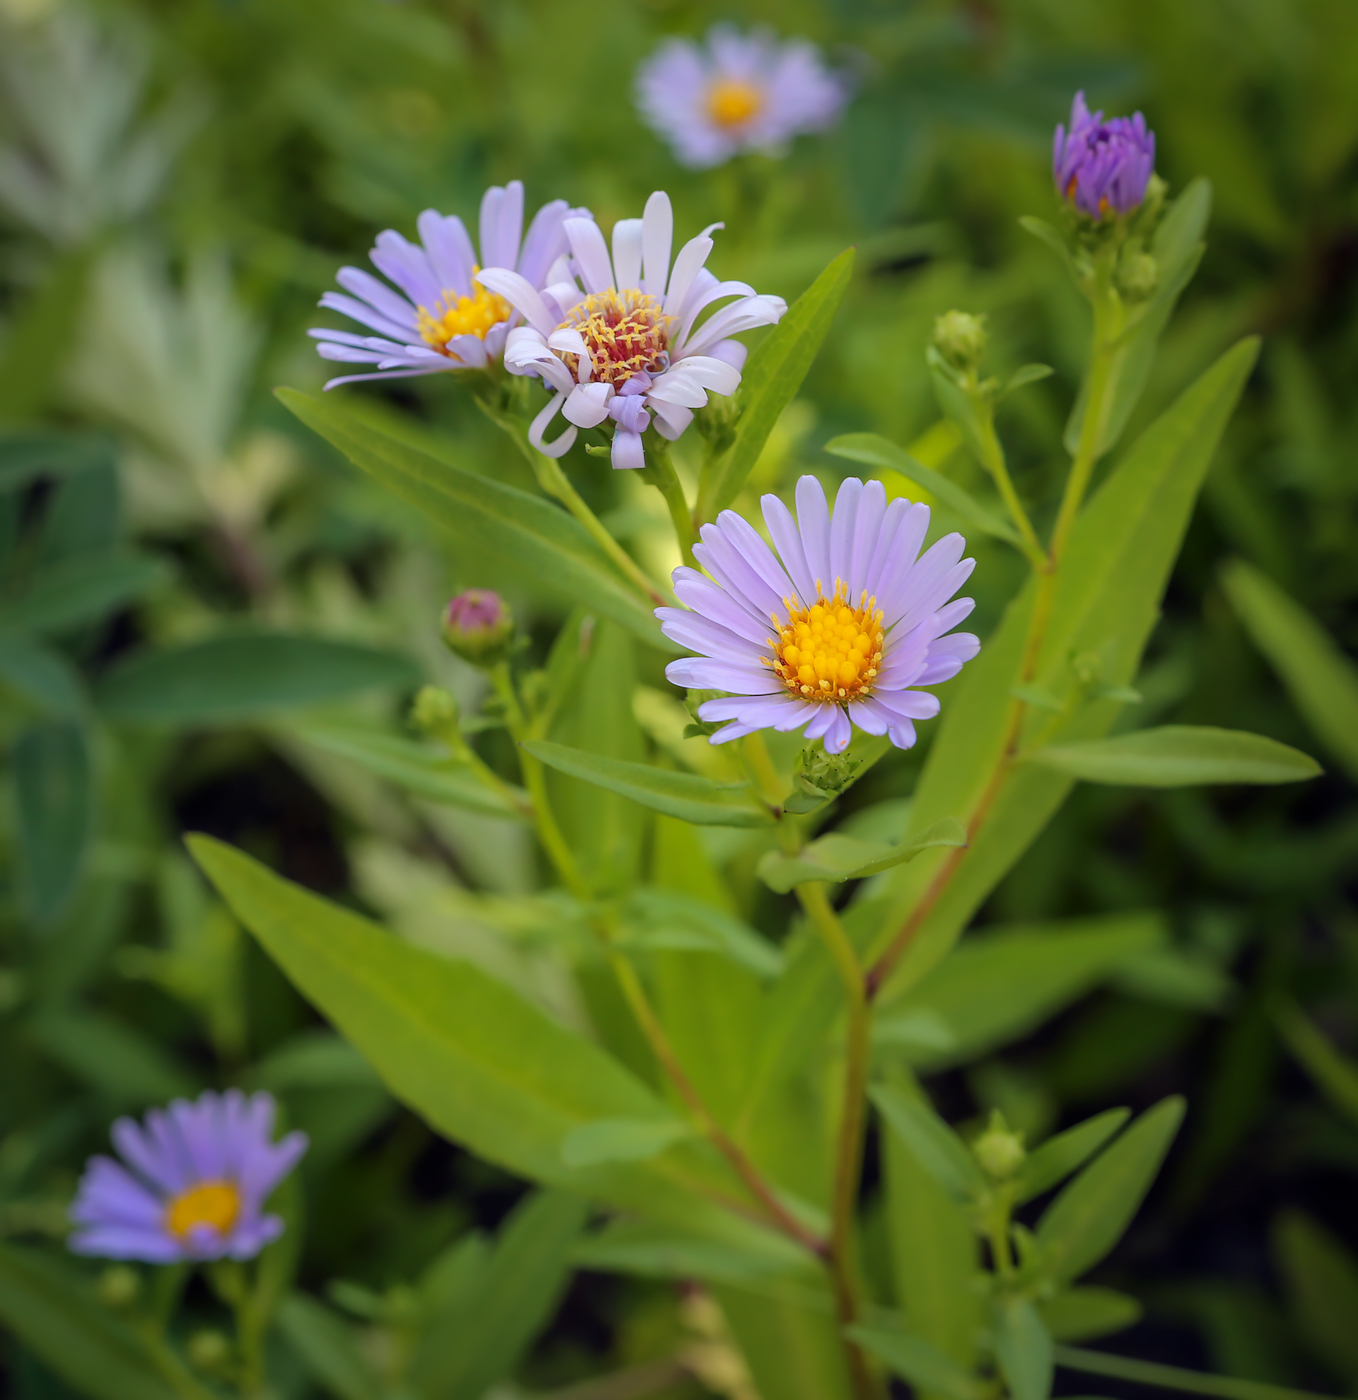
(1103, 165)
(736, 93)
(191, 1185)
(476, 625)
(441, 318)
(627, 343)
(859, 617)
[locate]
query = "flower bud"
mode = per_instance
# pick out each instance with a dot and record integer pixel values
(1102, 167)
(209, 1350)
(477, 626)
(118, 1286)
(819, 777)
(1137, 276)
(960, 338)
(999, 1150)
(434, 711)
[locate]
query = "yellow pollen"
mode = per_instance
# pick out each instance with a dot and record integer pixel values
(454, 315)
(831, 650)
(732, 102)
(626, 332)
(212, 1203)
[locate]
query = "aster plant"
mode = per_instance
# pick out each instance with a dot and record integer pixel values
(752, 940)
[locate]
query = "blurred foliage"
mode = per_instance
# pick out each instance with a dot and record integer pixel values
(178, 183)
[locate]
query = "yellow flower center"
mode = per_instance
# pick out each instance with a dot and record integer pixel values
(731, 102)
(829, 651)
(453, 315)
(212, 1203)
(626, 332)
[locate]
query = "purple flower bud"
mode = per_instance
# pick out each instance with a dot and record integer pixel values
(476, 625)
(1103, 165)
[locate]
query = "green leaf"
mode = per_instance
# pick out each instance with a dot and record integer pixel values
(999, 986)
(53, 1313)
(313, 1059)
(54, 811)
(914, 1360)
(1178, 755)
(1322, 681)
(660, 1251)
(1023, 1347)
(1056, 1158)
(126, 1066)
(27, 454)
(874, 451)
(1081, 1314)
(1334, 1074)
(419, 768)
(1088, 1218)
(684, 795)
(1107, 595)
(326, 1346)
(790, 1339)
(529, 536)
(1322, 1283)
(620, 1140)
(482, 1065)
(242, 676)
(932, 1142)
(654, 918)
(1025, 375)
(516, 1297)
(1048, 234)
(772, 376)
(81, 588)
(837, 857)
(41, 675)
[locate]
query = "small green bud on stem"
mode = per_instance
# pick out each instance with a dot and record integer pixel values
(961, 339)
(999, 1150)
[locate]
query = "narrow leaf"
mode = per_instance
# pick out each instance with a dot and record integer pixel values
(1179, 755)
(837, 857)
(654, 918)
(660, 1251)
(327, 1348)
(1023, 1347)
(81, 588)
(1050, 1164)
(772, 376)
(1081, 1314)
(620, 1140)
(934, 1144)
(41, 675)
(54, 809)
(1322, 1279)
(684, 795)
(924, 1366)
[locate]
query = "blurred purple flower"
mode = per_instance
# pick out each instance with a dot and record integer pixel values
(441, 318)
(737, 93)
(191, 1185)
(1103, 165)
(477, 623)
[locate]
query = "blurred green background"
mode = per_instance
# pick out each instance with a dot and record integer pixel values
(179, 181)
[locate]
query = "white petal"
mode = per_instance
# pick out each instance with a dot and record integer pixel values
(627, 252)
(520, 294)
(716, 375)
(657, 237)
(591, 254)
(687, 265)
(562, 445)
(587, 405)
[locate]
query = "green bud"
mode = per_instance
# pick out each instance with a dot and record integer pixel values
(209, 1350)
(819, 777)
(999, 1150)
(961, 338)
(478, 626)
(434, 711)
(118, 1286)
(1138, 274)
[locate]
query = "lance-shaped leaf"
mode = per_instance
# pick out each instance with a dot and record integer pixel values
(772, 376)
(242, 676)
(1023, 1347)
(662, 1251)
(874, 451)
(418, 767)
(934, 1144)
(482, 1065)
(684, 795)
(620, 1140)
(1088, 1218)
(1081, 1314)
(81, 588)
(54, 807)
(1179, 755)
(654, 918)
(52, 1312)
(1322, 681)
(327, 1347)
(837, 857)
(926, 1368)
(1055, 1159)
(40, 674)
(528, 535)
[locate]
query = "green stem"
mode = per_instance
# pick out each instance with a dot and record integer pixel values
(661, 474)
(849, 1143)
(1102, 1363)
(759, 764)
(995, 464)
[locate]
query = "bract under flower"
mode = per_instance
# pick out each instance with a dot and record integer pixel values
(441, 318)
(737, 93)
(191, 1184)
(1103, 166)
(835, 630)
(618, 337)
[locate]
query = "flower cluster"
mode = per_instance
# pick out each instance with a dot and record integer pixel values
(859, 617)
(737, 93)
(191, 1185)
(1102, 166)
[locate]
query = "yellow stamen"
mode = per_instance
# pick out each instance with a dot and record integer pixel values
(733, 102)
(829, 651)
(626, 332)
(453, 315)
(212, 1203)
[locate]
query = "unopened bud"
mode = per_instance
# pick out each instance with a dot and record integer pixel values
(960, 338)
(999, 1150)
(477, 625)
(1138, 274)
(434, 711)
(209, 1350)
(118, 1286)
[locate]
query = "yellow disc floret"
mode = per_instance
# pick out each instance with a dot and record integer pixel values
(733, 102)
(831, 650)
(453, 315)
(212, 1203)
